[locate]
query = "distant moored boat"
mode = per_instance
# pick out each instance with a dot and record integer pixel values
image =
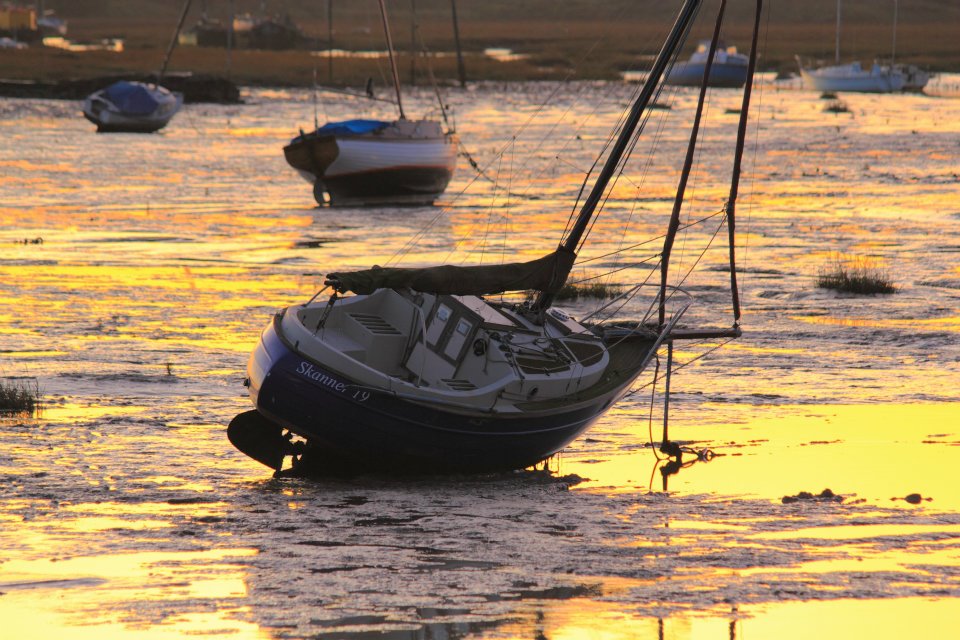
(136, 107)
(133, 107)
(375, 162)
(853, 77)
(914, 78)
(729, 68)
(879, 78)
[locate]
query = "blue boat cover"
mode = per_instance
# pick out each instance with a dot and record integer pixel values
(355, 127)
(131, 97)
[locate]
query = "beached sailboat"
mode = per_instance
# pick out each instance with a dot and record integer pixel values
(419, 372)
(878, 78)
(376, 162)
(136, 107)
(729, 68)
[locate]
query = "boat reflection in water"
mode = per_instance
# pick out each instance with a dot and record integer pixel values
(671, 466)
(533, 625)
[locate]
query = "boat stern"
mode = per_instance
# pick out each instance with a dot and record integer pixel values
(269, 350)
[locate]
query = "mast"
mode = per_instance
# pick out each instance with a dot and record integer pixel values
(674, 224)
(233, 16)
(572, 241)
(330, 41)
(393, 60)
(730, 207)
(413, 43)
(173, 41)
(737, 157)
(461, 71)
(893, 53)
(837, 46)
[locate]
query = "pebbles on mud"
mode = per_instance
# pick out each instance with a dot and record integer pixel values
(824, 496)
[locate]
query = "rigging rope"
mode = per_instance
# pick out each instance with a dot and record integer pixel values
(697, 261)
(462, 149)
(647, 241)
(689, 200)
(401, 253)
(617, 270)
(681, 365)
(631, 144)
(688, 161)
(756, 146)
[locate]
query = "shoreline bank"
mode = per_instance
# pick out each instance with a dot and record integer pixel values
(195, 89)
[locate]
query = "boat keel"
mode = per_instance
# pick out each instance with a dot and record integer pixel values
(261, 439)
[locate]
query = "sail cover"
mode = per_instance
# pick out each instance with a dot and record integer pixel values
(543, 274)
(133, 98)
(350, 127)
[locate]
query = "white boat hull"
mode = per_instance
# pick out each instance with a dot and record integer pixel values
(729, 68)
(403, 168)
(853, 78)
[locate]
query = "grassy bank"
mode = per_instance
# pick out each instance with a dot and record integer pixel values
(578, 40)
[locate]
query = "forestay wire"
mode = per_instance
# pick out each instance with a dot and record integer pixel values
(727, 212)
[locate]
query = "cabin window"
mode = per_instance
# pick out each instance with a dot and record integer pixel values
(451, 329)
(456, 343)
(437, 325)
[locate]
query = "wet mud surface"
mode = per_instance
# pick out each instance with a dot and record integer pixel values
(126, 511)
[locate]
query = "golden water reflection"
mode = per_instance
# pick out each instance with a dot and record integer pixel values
(88, 589)
(878, 454)
(830, 620)
(772, 452)
(127, 513)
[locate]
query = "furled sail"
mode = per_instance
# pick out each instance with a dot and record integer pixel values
(543, 274)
